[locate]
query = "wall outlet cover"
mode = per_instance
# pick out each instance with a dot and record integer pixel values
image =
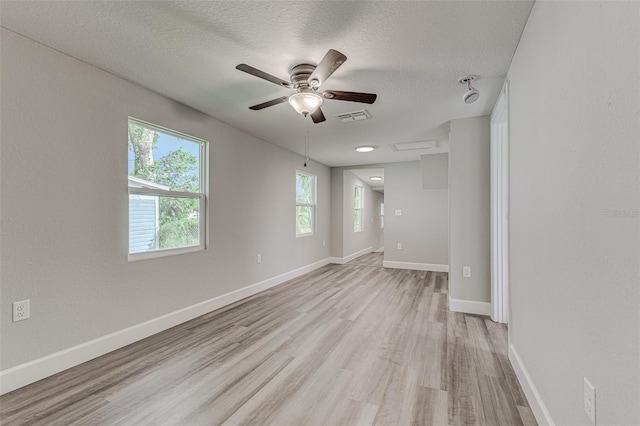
(21, 310)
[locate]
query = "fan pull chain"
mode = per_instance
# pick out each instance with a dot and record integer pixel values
(306, 145)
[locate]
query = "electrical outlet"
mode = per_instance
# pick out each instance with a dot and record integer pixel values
(466, 271)
(398, 212)
(324, 244)
(259, 258)
(590, 401)
(399, 246)
(21, 310)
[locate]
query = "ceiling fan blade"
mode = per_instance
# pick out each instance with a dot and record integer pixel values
(365, 98)
(331, 61)
(269, 103)
(263, 75)
(318, 116)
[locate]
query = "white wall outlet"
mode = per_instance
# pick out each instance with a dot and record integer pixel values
(259, 258)
(590, 401)
(21, 310)
(399, 246)
(466, 271)
(398, 212)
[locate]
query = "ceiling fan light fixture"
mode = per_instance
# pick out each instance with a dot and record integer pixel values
(365, 148)
(305, 103)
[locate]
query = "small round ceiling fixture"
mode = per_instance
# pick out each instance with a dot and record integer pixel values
(471, 95)
(376, 178)
(365, 148)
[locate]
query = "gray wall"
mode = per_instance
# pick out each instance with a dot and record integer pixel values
(65, 206)
(337, 211)
(353, 242)
(422, 228)
(378, 198)
(469, 180)
(574, 161)
(435, 171)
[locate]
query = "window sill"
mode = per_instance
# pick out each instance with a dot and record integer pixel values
(134, 257)
(305, 235)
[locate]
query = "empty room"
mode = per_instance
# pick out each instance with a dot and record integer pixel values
(320, 213)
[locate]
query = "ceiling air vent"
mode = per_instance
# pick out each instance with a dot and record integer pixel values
(348, 117)
(412, 146)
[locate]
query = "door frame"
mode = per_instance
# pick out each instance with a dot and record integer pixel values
(500, 208)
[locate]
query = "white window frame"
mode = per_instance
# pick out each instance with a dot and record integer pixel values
(312, 205)
(201, 196)
(358, 208)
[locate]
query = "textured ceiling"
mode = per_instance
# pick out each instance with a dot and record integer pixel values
(410, 53)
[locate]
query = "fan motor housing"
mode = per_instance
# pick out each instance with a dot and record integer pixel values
(300, 75)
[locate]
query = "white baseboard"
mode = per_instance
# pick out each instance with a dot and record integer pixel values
(349, 258)
(533, 397)
(24, 374)
(416, 266)
(380, 250)
(470, 306)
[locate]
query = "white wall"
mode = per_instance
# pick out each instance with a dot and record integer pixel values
(469, 209)
(423, 227)
(65, 206)
(574, 162)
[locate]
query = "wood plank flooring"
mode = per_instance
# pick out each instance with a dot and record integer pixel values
(353, 344)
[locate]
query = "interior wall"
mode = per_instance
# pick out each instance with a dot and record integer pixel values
(574, 200)
(337, 211)
(354, 242)
(469, 209)
(378, 199)
(422, 229)
(435, 171)
(64, 217)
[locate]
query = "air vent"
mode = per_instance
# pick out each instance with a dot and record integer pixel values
(354, 116)
(411, 146)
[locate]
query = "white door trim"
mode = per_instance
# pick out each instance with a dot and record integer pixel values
(500, 207)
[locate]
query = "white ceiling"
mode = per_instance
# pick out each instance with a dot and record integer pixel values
(410, 53)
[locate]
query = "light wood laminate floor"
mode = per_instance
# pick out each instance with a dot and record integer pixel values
(353, 344)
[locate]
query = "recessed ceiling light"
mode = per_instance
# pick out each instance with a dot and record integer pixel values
(376, 178)
(365, 148)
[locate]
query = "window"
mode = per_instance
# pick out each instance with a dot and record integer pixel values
(305, 203)
(358, 204)
(381, 215)
(167, 191)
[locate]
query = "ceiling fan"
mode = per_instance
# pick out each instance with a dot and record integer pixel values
(305, 80)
